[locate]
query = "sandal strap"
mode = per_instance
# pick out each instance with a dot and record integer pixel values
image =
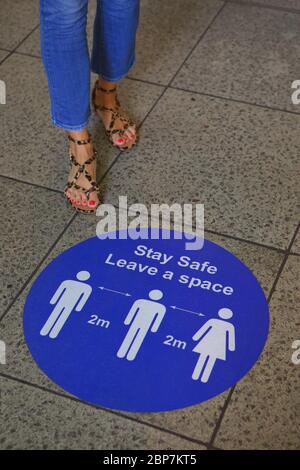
(80, 142)
(116, 113)
(105, 108)
(94, 187)
(81, 170)
(87, 162)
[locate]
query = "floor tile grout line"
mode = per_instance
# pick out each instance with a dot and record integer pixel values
(147, 82)
(257, 4)
(19, 44)
(106, 410)
(235, 100)
(221, 416)
(272, 290)
(38, 266)
(292, 253)
(28, 54)
(211, 95)
(6, 57)
(31, 183)
(245, 240)
(284, 261)
(225, 235)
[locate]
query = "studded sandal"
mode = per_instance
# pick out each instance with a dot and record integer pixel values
(116, 113)
(82, 171)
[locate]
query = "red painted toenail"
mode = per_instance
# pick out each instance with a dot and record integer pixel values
(83, 202)
(92, 203)
(120, 141)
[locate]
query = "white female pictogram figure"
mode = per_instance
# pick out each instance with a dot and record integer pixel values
(216, 338)
(69, 296)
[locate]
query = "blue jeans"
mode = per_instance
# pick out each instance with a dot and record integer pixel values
(66, 57)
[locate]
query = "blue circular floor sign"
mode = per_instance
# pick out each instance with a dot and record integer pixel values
(145, 325)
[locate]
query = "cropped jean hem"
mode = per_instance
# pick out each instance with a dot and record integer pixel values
(114, 79)
(66, 127)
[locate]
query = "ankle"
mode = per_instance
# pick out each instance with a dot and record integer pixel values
(82, 134)
(106, 85)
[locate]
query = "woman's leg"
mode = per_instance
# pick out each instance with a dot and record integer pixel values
(199, 366)
(66, 61)
(113, 55)
(208, 369)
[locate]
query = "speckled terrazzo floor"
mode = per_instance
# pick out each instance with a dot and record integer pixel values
(212, 94)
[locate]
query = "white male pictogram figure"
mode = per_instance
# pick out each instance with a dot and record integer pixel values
(216, 338)
(143, 316)
(70, 295)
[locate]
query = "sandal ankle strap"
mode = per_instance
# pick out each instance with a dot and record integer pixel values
(105, 90)
(80, 142)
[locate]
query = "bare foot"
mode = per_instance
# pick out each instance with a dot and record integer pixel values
(117, 123)
(82, 176)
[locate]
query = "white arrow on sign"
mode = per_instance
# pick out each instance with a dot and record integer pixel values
(115, 291)
(185, 310)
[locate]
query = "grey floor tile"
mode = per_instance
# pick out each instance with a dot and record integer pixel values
(167, 32)
(264, 412)
(229, 156)
(34, 419)
(244, 56)
(296, 245)
(196, 422)
(38, 150)
(17, 19)
(31, 219)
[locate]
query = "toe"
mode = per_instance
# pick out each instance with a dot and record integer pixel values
(131, 135)
(72, 196)
(83, 200)
(119, 139)
(93, 201)
(78, 200)
(132, 131)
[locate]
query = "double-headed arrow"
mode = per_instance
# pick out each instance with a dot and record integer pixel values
(115, 291)
(185, 310)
